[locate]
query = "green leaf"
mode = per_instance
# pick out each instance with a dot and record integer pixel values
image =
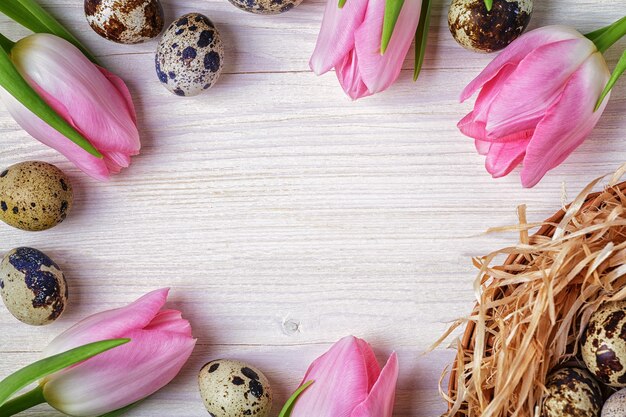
(392, 12)
(35, 371)
(31, 15)
(23, 402)
(14, 84)
(489, 5)
(291, 402)
(619, 70)
(421, 37)
(605, 37)
(342, 3)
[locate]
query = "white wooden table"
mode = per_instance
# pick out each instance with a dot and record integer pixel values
(283, 215)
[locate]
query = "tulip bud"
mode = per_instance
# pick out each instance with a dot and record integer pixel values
(350, 42)
(92, 100)
(349, 382)
(536, 102)
(161, 343)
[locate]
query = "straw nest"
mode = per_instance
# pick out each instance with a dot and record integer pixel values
(532, 310)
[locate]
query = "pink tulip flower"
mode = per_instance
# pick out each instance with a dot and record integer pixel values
(94, 101)
(536, 102)
(350, 40)
(348, 382)
(161, 343)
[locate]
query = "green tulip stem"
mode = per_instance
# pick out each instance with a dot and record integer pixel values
(619, 70)
(23, 402)
(605, 38)
(489, 5)
(291, 402)
(6, 43)
(342, 3)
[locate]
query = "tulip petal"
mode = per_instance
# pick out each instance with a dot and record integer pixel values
(503, 157)
(119, 377)
(381, 399)
(371, 363)
(341, 382)
(378, 71)
(568, 122)
(170, 321)
(536, 83)
(110, 324)
(122, 89)
(336, 37)
(40, 130)
(518, 50)
(350, 78)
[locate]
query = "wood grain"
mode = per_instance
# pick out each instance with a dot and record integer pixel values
(283, 215)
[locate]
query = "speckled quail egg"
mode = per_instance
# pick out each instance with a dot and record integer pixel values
(33, 286)
(190, 56)
(266, 6)
(125, 21)
(34, 196)
(604, 344)
(480, 30)
(234, 389)
(615, 406)
(572, 392)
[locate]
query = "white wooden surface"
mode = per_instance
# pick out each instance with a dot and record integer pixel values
(285, 216)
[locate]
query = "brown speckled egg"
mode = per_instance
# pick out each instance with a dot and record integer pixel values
(478, 30)
(234, 389)
(266, 6)
(125, 21)
(34, 196)
(604, 344)
(190, 56)
(615, 406)
(572, 392)
(33, 286)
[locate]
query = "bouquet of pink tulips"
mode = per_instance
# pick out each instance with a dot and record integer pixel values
(56, 91)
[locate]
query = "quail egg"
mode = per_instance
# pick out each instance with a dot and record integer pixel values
(480, 30)
(33, 286)
(572, 392)
(125, 21)
(615, 406)
(233, 389)
(190, 56)
(34, 196)
(266, 6)
(604, 344)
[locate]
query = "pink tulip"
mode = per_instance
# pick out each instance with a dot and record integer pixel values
(94, 101)
(348, 382)
(536, 102)
(161, 343)
(350, 40)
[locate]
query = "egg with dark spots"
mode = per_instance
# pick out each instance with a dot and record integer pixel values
(233, 389)
(604, 344)
(266, 6)
(572, 392)
(480, 30)
(125, 21)
(34, 196)
(33, 286)
(190, 56)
